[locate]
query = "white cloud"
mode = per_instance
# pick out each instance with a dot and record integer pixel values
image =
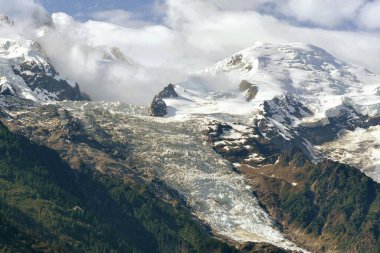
(331, 14)
(27, 14)
(325, 13)
(195, 34)
(241, 5)
(369, 16)
(119, 17)
(77, 50)
(218, 33)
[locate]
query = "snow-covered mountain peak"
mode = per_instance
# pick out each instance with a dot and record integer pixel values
(26, 72)
(305, 54)
(298, 68)
(310, 73)
(21, 50)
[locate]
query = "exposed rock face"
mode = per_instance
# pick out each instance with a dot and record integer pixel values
(6, 88)
(283, 125)
(26, 72)
(279, 124)
(42, 78)
(5, 20)
(6, 91)
(341, 118)
(158, 107)
(250, 89)
(243, 145)
(116, 52)
(280, 129)
(286, 109)
(168, 92)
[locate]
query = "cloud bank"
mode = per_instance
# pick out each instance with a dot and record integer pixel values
(28, 14)
(192, 35)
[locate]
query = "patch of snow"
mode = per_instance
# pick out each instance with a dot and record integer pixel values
(254, 157)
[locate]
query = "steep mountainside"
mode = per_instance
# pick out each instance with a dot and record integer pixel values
(25, 72)
(48, 207)
(325, 206)
(334, 206)
(116, 139)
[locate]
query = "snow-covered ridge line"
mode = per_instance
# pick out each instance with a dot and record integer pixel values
(26, 72)
(310, 73)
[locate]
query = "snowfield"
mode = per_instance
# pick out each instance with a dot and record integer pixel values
(360, 148)
(310, 73)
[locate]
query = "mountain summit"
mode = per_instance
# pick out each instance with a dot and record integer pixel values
(308, 72)
(295, 93)
(26, 72)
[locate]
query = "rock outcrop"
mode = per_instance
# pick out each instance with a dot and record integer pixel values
(26, 72)
(158, 105)
(45, 79)
(168, 92)
(249, 88)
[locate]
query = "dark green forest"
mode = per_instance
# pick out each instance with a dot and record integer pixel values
(335, 202)
(45, 206)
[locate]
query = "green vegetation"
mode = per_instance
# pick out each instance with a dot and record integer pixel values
(335, 202)
(45, 206)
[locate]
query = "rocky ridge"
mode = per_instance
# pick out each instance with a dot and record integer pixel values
(158, 107)
(25, 72)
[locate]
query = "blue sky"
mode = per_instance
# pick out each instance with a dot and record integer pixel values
(81, 9)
